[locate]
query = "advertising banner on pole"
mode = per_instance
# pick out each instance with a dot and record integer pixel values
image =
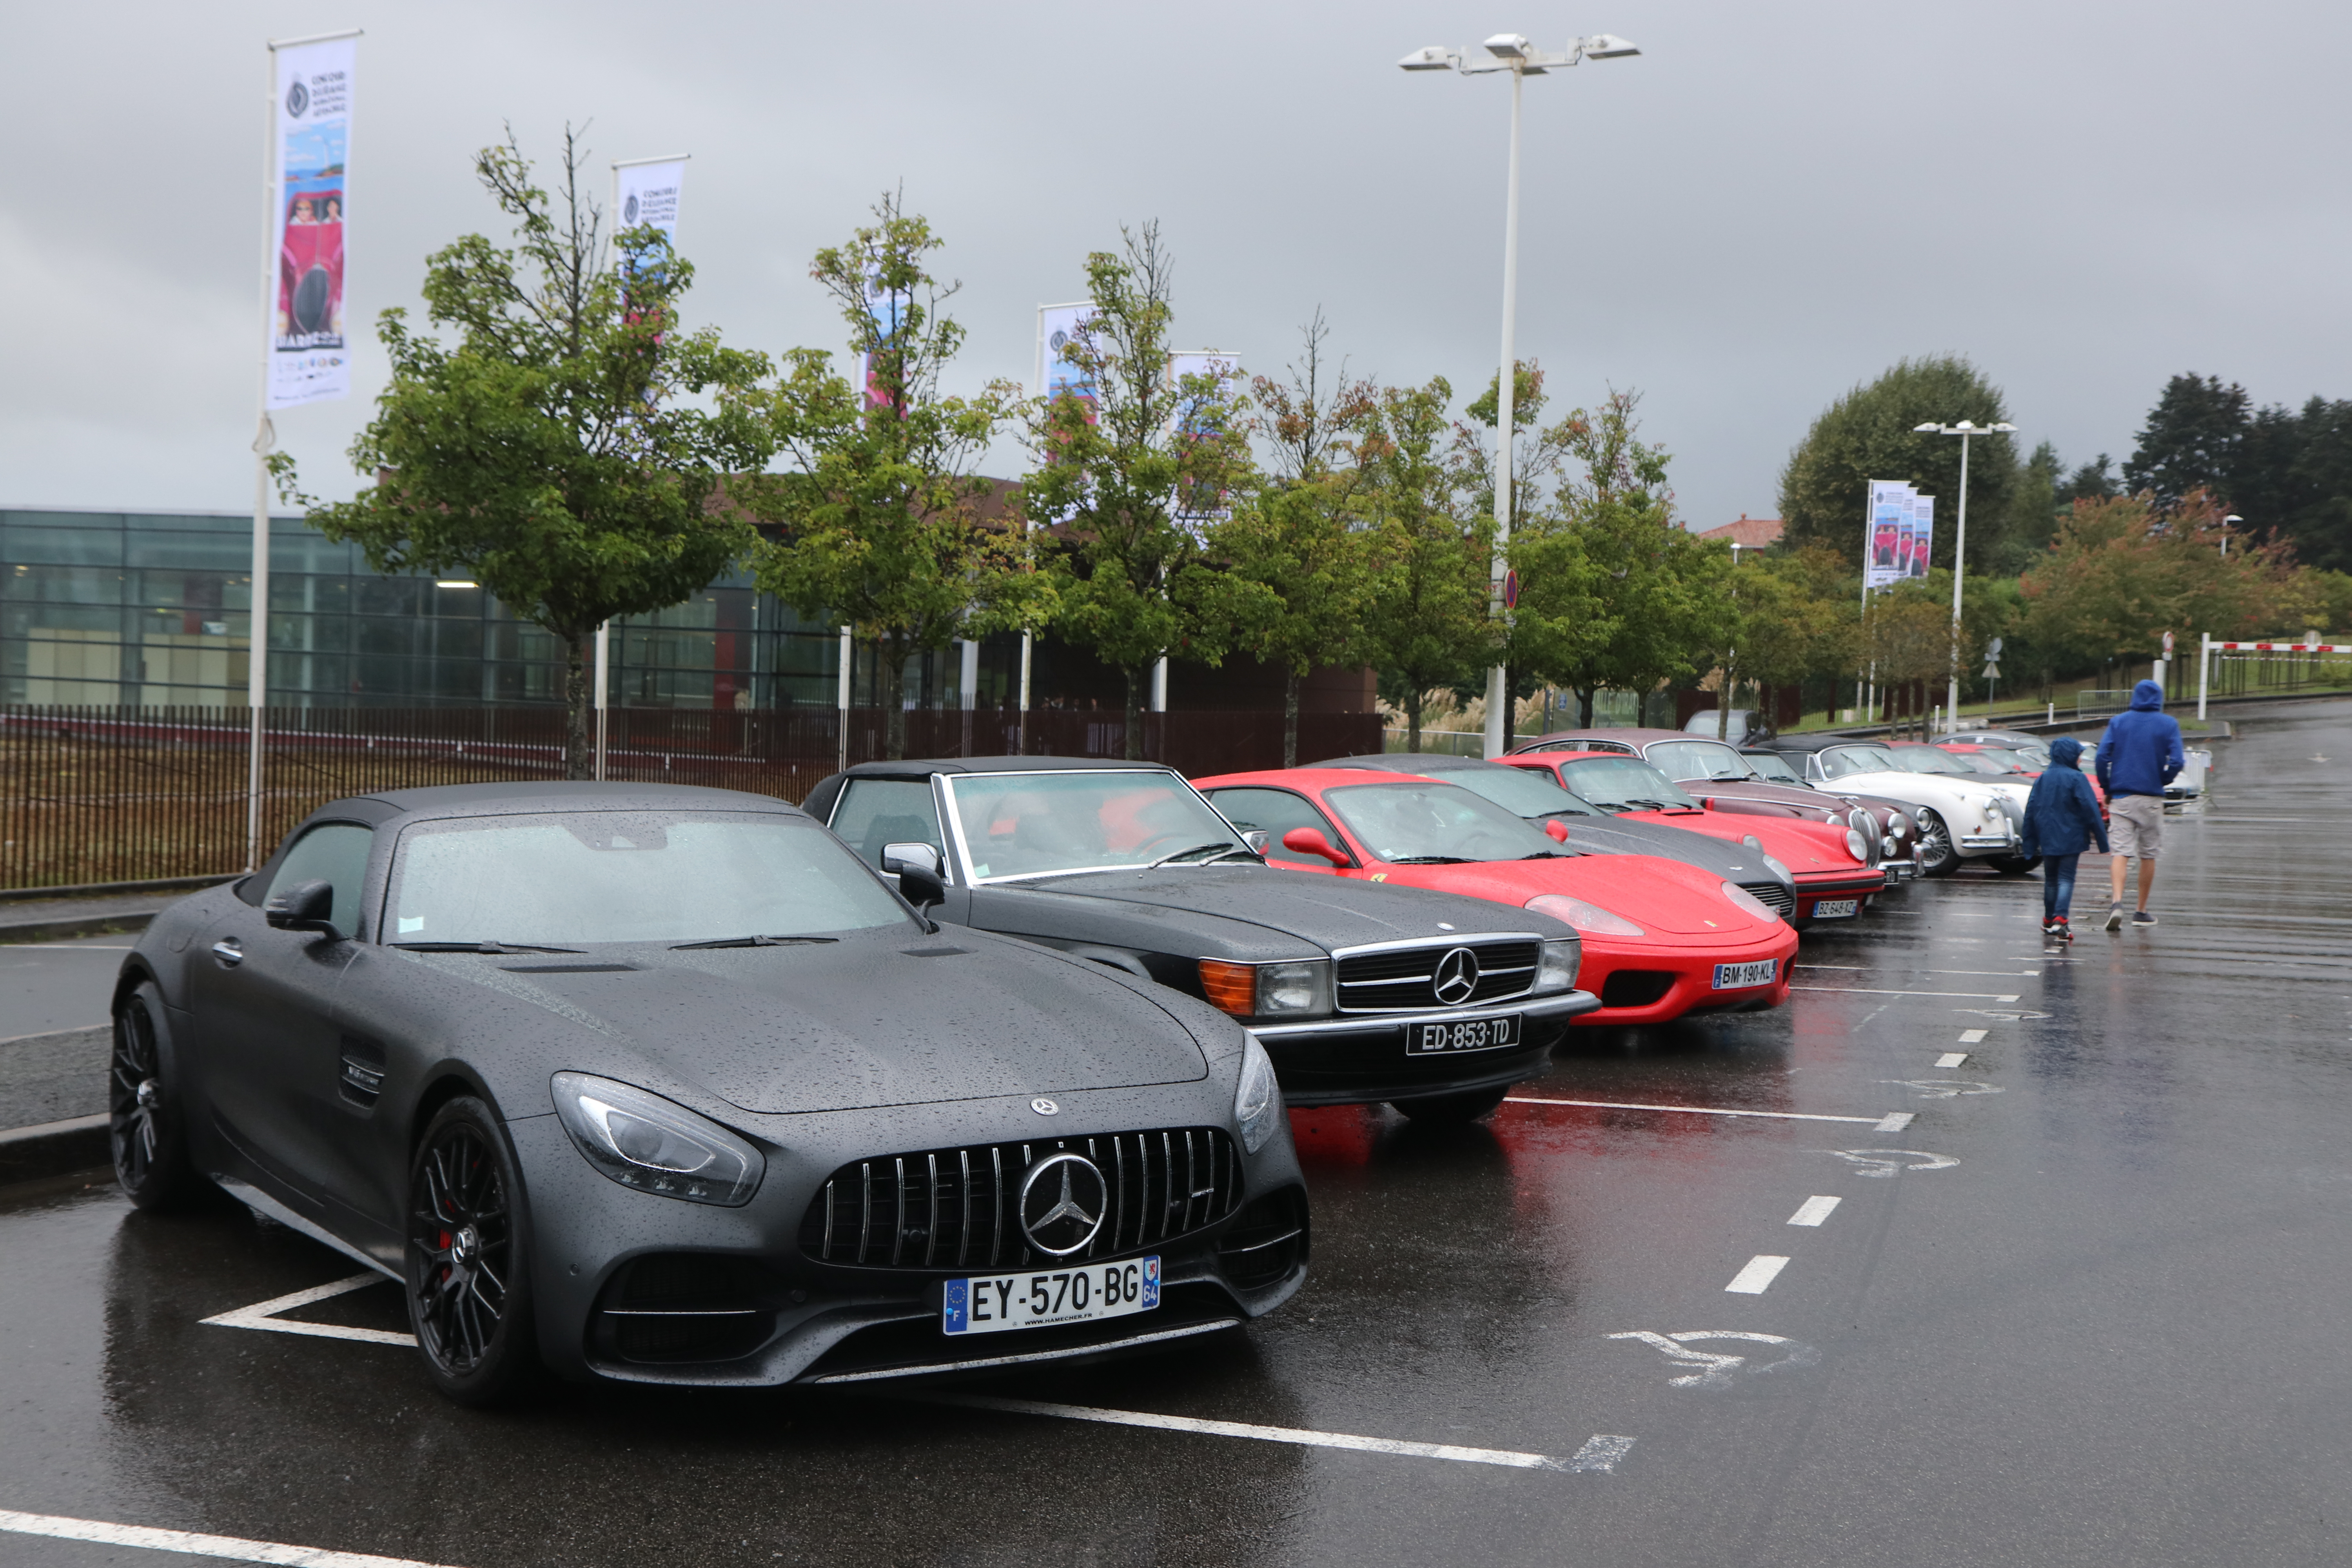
(1921, 534)
(888, 309)
(1057, 326)
(646, 192)
(310, 362)
(1884, 535)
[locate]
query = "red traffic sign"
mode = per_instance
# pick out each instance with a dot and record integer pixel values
(1511, 591)
(2167, 645)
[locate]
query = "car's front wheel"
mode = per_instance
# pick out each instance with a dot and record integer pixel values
(1936, 853)
(2012, 865)
(142, 1115)
(469, 1258)
(1448, 1109)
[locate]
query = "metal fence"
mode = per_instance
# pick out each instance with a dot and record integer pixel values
(109, 794)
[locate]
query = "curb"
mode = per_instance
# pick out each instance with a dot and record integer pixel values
(55, 1149)
(78, 925)
(107, 889)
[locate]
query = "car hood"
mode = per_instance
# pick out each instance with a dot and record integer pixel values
(1330, 911)
(868, 1023)
(1658, 895)
(1938, 790)
(1634, 835)
(1805, 846)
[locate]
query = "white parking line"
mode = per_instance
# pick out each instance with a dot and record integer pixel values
(228, 1546)
(1601, 1453)
(1877, 1122)
(1972, 1037)
(1814, 1210)
(1894, 1122)
(1875, 991)
(1757, 1276)
(264, 1315)
(1951, 1059)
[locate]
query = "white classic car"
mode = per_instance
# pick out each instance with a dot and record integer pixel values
(1963, 814)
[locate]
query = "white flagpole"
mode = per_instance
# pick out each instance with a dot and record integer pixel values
(264, 438)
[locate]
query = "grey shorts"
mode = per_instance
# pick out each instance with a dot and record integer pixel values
(2136, 825)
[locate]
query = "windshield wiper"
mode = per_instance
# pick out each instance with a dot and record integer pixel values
(751, 942)
(1431, 860)
(1550, 854)
(1651, 804)
(477, 947)
(1196, 849)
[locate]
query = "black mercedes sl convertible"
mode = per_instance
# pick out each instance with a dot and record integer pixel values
(1362, 992)
(661, 1085)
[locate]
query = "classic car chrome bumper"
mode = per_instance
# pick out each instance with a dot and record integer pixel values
(1558, 1007)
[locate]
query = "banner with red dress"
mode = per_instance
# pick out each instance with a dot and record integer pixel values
(310, 362)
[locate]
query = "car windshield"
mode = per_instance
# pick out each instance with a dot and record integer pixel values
(1929, 760)
(1839, 761)
(1625, 783)
(1772, 767)
(572, 878)
(1407, 824)
(1042, 824)
(1520, 790)
(1707, 762)
(2009, 762)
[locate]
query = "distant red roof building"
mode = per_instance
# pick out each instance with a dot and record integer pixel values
(1748, 532)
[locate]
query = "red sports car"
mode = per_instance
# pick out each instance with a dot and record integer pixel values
(1829, 862)
(1661, 938)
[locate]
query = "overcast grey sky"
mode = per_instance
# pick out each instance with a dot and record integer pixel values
(1773, 203)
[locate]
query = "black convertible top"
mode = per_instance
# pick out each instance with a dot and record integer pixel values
(910, 766)
(555, 794)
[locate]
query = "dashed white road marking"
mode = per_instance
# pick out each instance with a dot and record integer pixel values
(1951, 1059)
(104, 1533)
(1877, 990)
(1891, 1161)
(1878, 1123)
(1970, 1037)
(264, 1315)
(1757, 1276)
(1894, 1122)
(1600, 1454)
(1814, 1210)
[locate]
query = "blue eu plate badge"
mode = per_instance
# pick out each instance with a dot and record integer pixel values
(956, 1314)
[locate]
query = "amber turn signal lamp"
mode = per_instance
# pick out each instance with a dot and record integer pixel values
(1229, 987)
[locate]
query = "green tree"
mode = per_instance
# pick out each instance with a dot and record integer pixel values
(1292, 568)
(1129, 477)
(1868, 435)
(560, 452)
(879, 514)
(2034, 508)
(1428, 560)
(2192, 438)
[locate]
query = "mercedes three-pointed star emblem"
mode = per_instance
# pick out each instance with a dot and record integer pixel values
(1062, 1202)
(1457, 979)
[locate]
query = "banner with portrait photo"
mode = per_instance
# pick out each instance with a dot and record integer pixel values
(309, 359)
(1920, 534)
(1886, 533)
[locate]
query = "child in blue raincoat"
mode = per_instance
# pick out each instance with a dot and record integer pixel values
(2062, 821)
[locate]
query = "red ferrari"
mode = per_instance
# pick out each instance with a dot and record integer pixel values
(1661, 939)
(1828, 861)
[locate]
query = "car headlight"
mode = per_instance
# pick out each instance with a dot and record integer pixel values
(1779, 867)
(656, 1145)
(1855, 846)
(1590, 918)
(1750, 902)
(1559, 969)
(1257, 1103)
(1752, 842)
(1294, 989)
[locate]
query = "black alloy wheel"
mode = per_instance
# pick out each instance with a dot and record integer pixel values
(1449, 1109)
(1936, 853)
(2012, 865)
(469, 1274)
(142, 1125)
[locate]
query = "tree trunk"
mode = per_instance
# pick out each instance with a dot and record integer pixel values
(579, 758)
(891, 660)
(1135, 712)
(1510, 705)
(1290, 716)
(1412, 721)
(1584, 708)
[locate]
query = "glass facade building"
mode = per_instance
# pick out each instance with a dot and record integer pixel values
(148, 609)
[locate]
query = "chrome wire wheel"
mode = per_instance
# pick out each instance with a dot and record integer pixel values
(461, 1249)
(1936, 855)
(135, 1098)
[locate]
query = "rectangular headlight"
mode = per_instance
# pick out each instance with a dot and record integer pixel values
(1297, 989)
(1559, 969)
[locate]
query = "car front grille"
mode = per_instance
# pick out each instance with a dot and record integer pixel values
(1778, 899)
(957, 1208)
(1403, 979)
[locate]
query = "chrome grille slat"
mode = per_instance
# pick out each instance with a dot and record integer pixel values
(898, 1230)
(932, 1229)
(1402, 979)
(963, 1236)
(865, 1225)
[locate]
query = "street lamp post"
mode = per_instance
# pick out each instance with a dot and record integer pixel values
(1964, 430)
(1508, 52)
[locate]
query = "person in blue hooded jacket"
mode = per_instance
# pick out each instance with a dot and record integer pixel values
(2062, 821)
(2139, 756)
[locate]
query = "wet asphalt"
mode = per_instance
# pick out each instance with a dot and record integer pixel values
(2089, 1305)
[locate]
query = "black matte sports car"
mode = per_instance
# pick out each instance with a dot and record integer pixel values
(661, 1085)
(1362, 992)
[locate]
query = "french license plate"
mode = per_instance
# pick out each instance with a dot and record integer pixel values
(1738, 976)
(1467, 1035)
(993, 1303)
(1836, 908)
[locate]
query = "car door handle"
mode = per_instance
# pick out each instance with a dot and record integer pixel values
(229, 954)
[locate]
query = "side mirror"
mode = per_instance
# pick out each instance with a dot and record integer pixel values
(1258, 838)
(897, 858)
(1557, 831)
(305, 906)
(1310, 841)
